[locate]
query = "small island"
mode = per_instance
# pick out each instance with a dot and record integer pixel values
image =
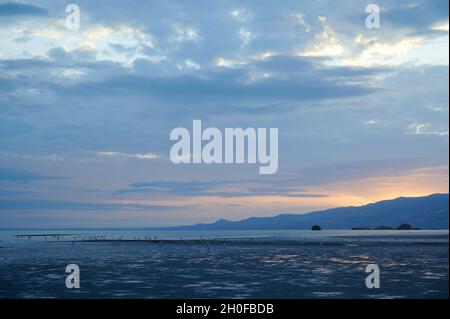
(382, 227)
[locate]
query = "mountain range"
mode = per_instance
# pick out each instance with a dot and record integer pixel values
(428, 212)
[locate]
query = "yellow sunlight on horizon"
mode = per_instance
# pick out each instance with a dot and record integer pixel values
(419, 182)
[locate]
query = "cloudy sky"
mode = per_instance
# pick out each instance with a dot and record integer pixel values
(86, 114)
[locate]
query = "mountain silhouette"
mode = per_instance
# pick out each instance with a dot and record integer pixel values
(428, 212)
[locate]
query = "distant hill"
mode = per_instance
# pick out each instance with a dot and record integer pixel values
(429, 212)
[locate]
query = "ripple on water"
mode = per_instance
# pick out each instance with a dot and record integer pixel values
(239, 271)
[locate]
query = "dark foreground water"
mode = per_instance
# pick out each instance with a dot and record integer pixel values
(266, 268)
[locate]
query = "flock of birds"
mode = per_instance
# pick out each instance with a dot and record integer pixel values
(120, 238)
(95, 238)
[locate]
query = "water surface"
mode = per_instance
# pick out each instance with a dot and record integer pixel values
(232, 264)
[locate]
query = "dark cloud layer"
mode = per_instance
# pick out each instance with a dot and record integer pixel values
(48, 205)
(17, 175)
(19, 9)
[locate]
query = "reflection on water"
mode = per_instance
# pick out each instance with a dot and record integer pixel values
(36, 268)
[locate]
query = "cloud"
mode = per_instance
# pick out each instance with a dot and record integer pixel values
(188, 65)
(440, 26)
(371, 51)
(300, 19)
(326, 44)
(426, 129)
(177, 187)
(115, 154)
(420, 16)
(216, 188)
(374, 52)
(245, 36)
(19, 9)
(78, 206)
(183, 34)
(17, 175)
(355, 170)
(121, 44)
(264, 193)
(241, 15)
(306, 82)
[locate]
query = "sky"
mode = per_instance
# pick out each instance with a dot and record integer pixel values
(86, 114)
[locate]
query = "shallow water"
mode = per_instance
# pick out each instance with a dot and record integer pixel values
(269, 268)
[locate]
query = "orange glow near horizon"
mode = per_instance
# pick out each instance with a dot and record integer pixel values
(420, 182)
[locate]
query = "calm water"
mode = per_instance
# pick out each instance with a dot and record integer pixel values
(249, 264)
